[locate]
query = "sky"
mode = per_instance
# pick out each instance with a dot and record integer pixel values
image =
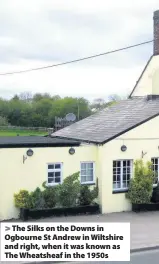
(36, 33)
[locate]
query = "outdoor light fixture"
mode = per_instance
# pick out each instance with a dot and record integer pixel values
(71, 151)
(29, 152)
(123, 148)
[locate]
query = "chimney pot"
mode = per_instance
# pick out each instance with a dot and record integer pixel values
(156, 32)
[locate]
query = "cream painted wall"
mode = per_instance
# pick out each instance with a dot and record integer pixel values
(15, 175)
(149, 83)
(143, 138)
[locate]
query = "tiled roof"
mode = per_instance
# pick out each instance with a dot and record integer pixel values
(113, 121)
(35, 141)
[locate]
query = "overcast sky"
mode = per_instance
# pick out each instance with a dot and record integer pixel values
(36, 33)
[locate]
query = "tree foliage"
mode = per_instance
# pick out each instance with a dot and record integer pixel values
(40, 110)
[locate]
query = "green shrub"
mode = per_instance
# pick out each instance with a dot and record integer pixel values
(37, 199)
(87, 196)
(22, 199)
(141, 185)
(69, 190)
(95, 191)
(50, 197)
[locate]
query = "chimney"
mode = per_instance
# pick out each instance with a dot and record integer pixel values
(156, 32)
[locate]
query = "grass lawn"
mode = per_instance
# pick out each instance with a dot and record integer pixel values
(13, 133)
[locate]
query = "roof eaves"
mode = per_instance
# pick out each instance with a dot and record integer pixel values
(140, 77)
(80, 140)
(38, 145)
(128, 129)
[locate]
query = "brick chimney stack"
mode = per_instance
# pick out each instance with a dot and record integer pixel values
(156, 32)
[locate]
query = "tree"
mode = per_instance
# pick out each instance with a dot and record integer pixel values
(98, 104)
(3, 121)
(26, 96)
(39, 96)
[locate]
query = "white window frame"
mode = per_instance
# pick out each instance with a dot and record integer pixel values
(121, 174)
(155, 184)
(88, 182)
(54, 170)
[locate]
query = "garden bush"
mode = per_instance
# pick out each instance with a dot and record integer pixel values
(141, 185)
(22, 199)
(69, 191)
(87, 196)
(37, 199)
(51, 195)
(68, 194)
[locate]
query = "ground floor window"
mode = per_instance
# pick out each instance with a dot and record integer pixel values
(122, 172)
(87, 172)
(54, 173)
(155, 167)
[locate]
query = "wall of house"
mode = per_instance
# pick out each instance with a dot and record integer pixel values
(143, 138)
(15, 175)
(149, 83)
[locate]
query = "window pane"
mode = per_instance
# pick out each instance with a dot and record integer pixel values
(128, 176)
(50, 174)
(114, 171)
(124, 163)
(124, 184)
(51, 166)
(83, 179)
(128, 162)
(57, 179)
(118, 177)
(124, 176)
(90, 172)
(83, 172)
(57, 166)
(57, 173)
(124, 170)
(118, 163)
(90, 166)
(128, 170)
(118, 170)
(50, 180)
(118, 185)
(114, 185)
(83, 166)
(89, 178)
(114, 178)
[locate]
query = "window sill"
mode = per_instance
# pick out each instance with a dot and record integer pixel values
(52, 185)
(88, 183)
(120, 191)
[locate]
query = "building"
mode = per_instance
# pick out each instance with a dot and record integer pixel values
(105, 145)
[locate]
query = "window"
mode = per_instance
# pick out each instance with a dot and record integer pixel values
(87, 172)
(155, 167)
(122, 171)
(54, 173)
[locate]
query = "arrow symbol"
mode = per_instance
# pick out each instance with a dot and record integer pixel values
(7, 228)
